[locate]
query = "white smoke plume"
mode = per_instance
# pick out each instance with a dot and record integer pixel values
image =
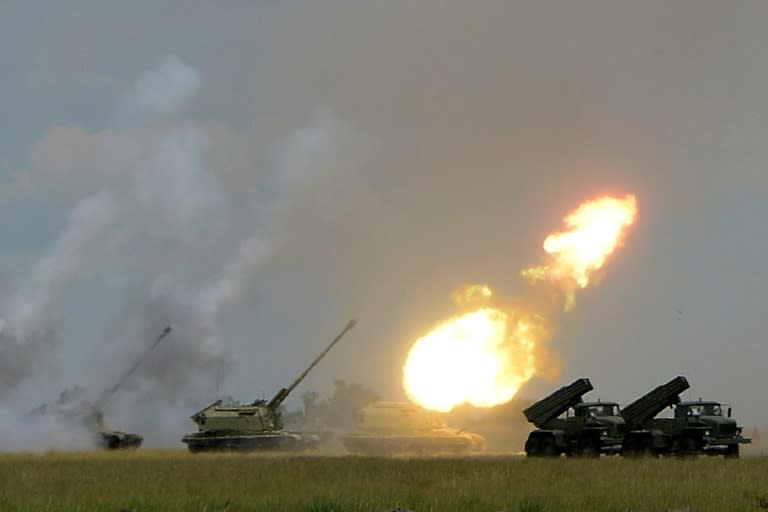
(191, 249)
(88, 223)
(162, 202)
(41, 433)
(163, 90)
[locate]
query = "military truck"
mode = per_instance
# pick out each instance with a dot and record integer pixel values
(567, 425)
(698, 427)
(257, 426)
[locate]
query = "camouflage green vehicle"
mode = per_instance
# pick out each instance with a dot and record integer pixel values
(257, 426)
(567, 425)
(393, 428)
(698, 427)
(74, 410)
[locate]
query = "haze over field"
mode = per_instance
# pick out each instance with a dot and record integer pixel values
(258, 174)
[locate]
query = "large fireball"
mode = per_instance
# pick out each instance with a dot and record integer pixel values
(485, 354)
(481, 357)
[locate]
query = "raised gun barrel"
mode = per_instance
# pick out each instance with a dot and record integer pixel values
(284, 392)
(108, 394)
(645, 408)
(552, 406)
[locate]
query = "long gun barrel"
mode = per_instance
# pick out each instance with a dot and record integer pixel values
(108, 394)
(284, 392)
(552, 406)
(645, 408)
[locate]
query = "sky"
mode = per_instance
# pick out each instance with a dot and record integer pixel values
(256, 174)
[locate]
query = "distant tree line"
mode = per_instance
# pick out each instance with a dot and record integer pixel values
(340, 410)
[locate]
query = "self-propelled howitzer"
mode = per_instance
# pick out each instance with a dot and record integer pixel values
(257, 426)
(73, 410)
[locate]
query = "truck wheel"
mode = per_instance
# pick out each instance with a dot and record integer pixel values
(732, 452)
(588, 447)
(548, 447)
(533, 447)
(631, 448)
(688, 447)
(647, 449)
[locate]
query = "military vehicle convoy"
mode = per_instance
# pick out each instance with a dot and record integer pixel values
(567, 425)
(696, 428)
(394, 428)
(74, 410)
(257, 426)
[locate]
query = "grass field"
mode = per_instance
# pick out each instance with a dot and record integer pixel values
(176, 481)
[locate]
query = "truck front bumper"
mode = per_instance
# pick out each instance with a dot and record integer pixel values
(721, 444)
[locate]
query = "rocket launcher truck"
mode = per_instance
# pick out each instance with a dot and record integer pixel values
(697, 427)
(565, 424)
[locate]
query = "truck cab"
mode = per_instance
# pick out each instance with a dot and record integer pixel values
(721, 435)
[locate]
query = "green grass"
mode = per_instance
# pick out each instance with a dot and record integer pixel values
(176, 481)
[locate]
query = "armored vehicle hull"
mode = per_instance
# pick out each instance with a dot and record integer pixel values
(115, 440)
(395, 428)
(434, 443)
(234, 442)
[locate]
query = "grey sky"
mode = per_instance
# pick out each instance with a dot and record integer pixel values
(342, 159)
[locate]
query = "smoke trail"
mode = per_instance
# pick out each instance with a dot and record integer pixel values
(234, 276)
(158, 202)
(89, 221)
(164, 90)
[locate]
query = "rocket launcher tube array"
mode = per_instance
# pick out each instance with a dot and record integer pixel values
(552, 406)
(645, 408)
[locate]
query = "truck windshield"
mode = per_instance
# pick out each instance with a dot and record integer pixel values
(705, 410)
(603, 410)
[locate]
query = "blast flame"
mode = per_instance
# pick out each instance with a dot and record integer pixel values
(484, 355)
(597, 228)
(481, 357)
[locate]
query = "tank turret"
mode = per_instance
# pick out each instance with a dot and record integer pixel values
(255, 426)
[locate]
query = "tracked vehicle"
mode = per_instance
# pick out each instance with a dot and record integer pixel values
(394, 428)
(74, 410)
(698, 427)
(257, 426)
(568, 425)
